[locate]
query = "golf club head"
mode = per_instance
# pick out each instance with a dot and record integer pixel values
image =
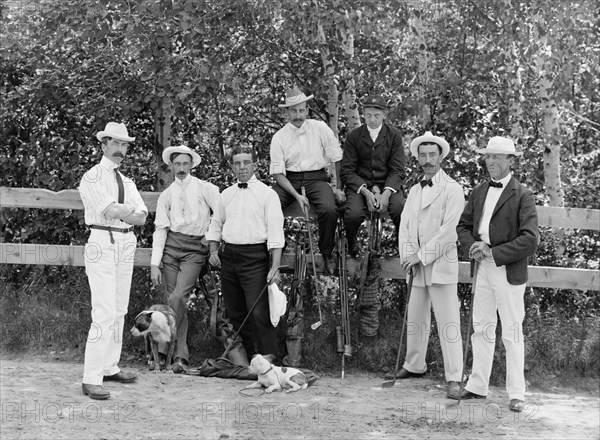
(316, 325)
(388, 383)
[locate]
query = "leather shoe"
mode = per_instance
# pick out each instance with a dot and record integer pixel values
(453, 389)
(180, 366)
(95, 392)
(122, 377)
(466, 395)
(353, 250)
(404, 374)
(516, 405)
(329, 262)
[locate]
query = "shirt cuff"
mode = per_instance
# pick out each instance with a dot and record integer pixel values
(364, 185)
(391, 189)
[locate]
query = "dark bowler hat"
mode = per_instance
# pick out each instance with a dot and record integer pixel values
(375, 101)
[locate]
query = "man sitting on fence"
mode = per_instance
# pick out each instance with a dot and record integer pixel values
(112, 205)
(373, 157)
(300, 154)
(182, 218)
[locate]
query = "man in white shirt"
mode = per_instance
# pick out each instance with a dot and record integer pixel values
(112, 206)
(246, 227)
(300, 153)
(499, 230)
(182, 218)
(427, 240)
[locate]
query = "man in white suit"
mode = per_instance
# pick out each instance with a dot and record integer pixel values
(427, 240)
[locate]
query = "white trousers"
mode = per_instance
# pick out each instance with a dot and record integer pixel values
(446, 307)
(495, 296)
(109, 268)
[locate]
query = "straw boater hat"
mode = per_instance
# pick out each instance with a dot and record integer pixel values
(169, 151)
(116, 131)
(426, 139)
(500, 145)
(294, 97)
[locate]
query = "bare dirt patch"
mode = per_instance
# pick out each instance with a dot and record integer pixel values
(43, 400)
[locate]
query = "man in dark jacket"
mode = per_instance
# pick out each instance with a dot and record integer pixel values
(372, 170)
(499, 230)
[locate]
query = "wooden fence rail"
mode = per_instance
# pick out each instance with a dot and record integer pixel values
(50, 254)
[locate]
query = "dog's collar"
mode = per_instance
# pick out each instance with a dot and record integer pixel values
(270, 368)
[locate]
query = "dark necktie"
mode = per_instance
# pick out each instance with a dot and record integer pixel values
(121, 197)
(425, 183)
(243, 185)
(495, 184)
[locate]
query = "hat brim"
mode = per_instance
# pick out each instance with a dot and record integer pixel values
(305, 99)
(428, 139)
(169, 151)
(497, 151)
(102, 134)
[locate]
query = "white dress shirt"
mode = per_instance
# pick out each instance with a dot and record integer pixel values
(99, 190)
(374, 132)
(308, 148)
(492, 197)
(183, 207)
(249, 215)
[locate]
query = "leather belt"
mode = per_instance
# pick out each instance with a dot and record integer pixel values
(110, 230)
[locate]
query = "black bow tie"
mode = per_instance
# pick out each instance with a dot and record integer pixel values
(495, 184)
(243, 185)
(426, 182)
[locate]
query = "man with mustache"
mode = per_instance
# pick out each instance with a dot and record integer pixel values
(246, 240)
(300, 154)
(112, 206)
(427, 240)
(182, 218)
(499, 230)
(372, 170)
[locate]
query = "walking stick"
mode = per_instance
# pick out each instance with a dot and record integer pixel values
(474, 269)
(317, 324)
(392, 382)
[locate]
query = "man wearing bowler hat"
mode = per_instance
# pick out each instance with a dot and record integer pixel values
(499, 230)
(112, 206)
(427, 241)
(372, 170)
(182, 218)
(300, 154)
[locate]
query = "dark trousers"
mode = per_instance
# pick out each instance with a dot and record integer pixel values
(244, 270)
(356, 211)
(183, 258)
(320, 195)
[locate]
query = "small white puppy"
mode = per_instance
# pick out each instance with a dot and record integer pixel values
(275, 378)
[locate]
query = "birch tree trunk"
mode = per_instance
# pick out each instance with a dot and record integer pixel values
(332, 90)
(349, 94)
(162, 140)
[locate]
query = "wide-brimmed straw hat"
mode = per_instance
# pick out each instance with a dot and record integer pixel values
(294, 97)
(500, 145)
(429, 138)
(115, 130)
(169, 151)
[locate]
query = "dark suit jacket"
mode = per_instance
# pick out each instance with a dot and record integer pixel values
(380, 162)
(514, 233)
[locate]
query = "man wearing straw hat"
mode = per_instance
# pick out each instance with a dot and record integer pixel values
(112, 206)
(300, 154)
(178, 244)
(427, 240)
(499, 230)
